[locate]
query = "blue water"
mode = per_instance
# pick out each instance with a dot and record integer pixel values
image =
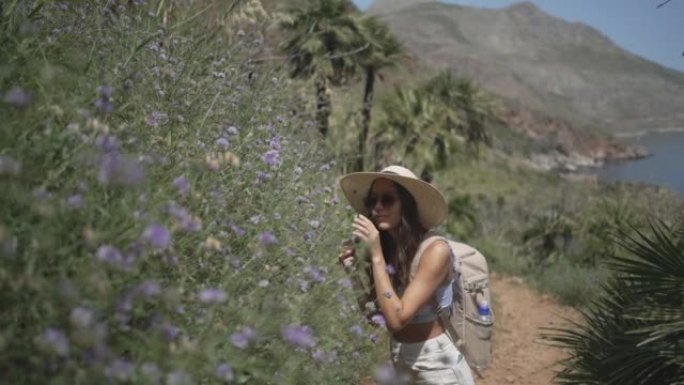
(664, 167)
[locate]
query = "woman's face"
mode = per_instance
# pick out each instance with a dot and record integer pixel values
(384, 205)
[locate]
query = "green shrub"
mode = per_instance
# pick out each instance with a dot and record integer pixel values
(632, 332)
(165, 218)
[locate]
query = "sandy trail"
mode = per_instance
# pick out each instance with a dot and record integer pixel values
(519, 357)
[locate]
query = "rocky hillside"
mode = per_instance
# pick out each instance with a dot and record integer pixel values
(567, 70)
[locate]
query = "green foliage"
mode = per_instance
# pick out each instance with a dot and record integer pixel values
(413, 130)
(549, 235)
(462, 221)
(632, 333)
(321, 42)
(164, 218)
(473, 107)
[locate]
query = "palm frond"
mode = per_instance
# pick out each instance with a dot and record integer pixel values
(632, 333)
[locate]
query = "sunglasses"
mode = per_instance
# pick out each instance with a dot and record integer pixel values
(386, 200)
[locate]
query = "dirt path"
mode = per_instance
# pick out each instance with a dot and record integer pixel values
(518, 356)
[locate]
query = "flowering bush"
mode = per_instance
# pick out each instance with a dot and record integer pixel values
(164, 218)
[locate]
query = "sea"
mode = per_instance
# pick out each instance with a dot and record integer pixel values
(665, 165)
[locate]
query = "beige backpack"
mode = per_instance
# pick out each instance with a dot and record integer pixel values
(467, 322)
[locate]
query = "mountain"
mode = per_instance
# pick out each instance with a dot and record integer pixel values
(565, 69)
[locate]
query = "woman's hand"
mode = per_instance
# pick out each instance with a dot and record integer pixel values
(346, 256)
(366, 231)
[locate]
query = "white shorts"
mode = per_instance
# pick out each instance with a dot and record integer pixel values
(432, 362)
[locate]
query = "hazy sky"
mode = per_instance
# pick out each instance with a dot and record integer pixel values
(637, 25)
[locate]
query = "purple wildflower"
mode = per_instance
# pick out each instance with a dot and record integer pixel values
(224, 372)
(271, 157)
(319, 355)
(388, 375)
(104, 91)
(104, 100)
(148, 289)
(325, 357)
(303, 285)
(390, 269)
(239, 340)
(191, 223)
(232, 130)
(18, 97)
(378, 319)
(169, 331)
(316, 274)
(116, 168)
(212, 295)
(309, 235)
(250, 332)
(81, 317)
(222, 143)
(237, 230)
(263, 177)
(157, 118)
(301, 336)
(178, 377)
(345, 283)
(55, 341)
(107, 143)
(75, 201)
(374, 338)
(357, 329)
(120, 370)
(267, 239)
(274, 144)
(178, 211)
(9, 166)
(182, 184)
(110, 255)
(157, 236)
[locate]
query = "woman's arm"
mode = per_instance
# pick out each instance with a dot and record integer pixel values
(433, 268)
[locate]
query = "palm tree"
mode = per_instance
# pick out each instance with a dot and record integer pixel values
(414, 127)
(322, 44)
(383, 51)
(549, 235)
(468, 99)
(633, 332)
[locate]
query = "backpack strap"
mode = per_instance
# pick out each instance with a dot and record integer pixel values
(429, 239)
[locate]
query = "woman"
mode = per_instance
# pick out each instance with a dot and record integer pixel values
(395, 211)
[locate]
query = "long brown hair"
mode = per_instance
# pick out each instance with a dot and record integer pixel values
(410, 234)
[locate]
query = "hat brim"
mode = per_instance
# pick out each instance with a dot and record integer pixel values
(432, 207)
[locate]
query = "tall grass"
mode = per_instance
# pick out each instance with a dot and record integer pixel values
(165, 219)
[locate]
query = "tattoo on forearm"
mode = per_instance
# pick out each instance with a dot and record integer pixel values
(387, 294)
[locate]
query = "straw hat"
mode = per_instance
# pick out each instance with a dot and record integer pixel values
(432, 207)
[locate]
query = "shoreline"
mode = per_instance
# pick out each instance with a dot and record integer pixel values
(637, 134)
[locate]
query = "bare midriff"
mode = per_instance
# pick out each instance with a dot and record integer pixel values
(419, 332)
